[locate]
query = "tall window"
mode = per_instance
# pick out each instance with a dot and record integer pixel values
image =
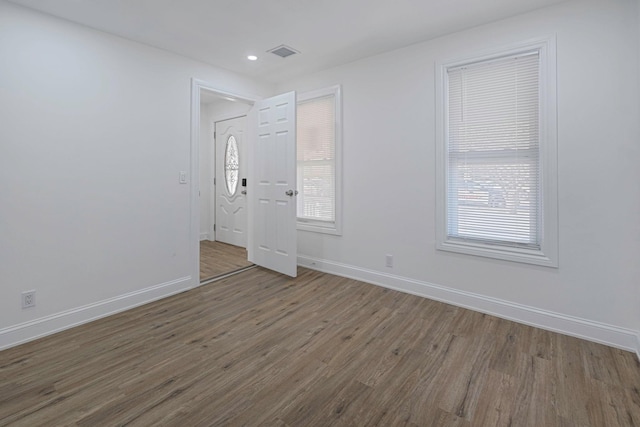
(318, 164)
(498, 153)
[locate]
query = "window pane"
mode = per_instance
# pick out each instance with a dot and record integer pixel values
(493, 152)
(318, 188)
(316, 136)
(316, 129)
(493, 200)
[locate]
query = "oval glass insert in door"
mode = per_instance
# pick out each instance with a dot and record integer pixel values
(231, 163)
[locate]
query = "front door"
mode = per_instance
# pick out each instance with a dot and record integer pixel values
(272, 184)
(230, 169)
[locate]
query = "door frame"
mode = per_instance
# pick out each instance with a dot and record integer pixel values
(197, 86)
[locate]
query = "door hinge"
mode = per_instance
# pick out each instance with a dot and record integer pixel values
(214, 227)
(214, 181)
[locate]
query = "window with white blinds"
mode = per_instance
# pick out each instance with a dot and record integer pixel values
(493, 154)
(317, 162)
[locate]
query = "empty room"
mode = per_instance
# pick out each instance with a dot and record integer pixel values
(319, 213)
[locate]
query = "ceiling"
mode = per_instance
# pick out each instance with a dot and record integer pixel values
(326, 32)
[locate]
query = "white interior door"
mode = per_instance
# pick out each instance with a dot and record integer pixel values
(230, 169)
(272, 184)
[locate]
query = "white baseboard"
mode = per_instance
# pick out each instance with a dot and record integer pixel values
(37, 328)
(204, 236)
(613, 336)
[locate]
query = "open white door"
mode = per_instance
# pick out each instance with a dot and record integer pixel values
(272, 184)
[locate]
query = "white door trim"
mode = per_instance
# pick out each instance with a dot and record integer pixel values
(198, 85)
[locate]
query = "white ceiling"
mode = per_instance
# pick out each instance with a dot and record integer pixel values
(326, 32)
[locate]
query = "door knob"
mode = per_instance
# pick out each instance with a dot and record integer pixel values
(290, 193)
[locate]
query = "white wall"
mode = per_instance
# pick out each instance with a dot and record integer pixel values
(224, 110)
(94, 130)
(389, 181)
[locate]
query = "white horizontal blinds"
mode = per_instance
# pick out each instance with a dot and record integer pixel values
(493, 152)
(316, 136)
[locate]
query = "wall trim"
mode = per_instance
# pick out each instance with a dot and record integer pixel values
(48, 325)
(625, 339)
(204, 236)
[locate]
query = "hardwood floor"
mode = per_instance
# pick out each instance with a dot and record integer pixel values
(261, 349)
(218, 258)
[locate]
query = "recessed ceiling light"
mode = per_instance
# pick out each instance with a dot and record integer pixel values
(252, 57)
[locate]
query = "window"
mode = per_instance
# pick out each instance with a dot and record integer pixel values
(497, 193)
(318, 164)
(231, 165)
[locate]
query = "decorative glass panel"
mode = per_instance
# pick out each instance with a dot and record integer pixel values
(231, 163)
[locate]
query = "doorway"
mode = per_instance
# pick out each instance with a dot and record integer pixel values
(222, 164)
(271, 181)
(230, 182)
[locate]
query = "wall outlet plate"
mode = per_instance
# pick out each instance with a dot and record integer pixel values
(389, 260)
(28, 299)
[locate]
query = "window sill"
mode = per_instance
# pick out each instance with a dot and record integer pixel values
(319, 227)
(526, 256)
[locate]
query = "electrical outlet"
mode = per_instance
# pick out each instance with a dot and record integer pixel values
(389, 261)
(28, 299)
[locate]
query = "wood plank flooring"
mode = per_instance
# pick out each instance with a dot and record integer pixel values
(261, 349)
(218, 258)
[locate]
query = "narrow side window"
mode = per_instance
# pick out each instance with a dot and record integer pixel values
(319, 161)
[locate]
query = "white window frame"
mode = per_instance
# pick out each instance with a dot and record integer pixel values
(547, 255)
(325, 227)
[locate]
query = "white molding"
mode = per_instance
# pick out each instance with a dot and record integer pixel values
(194, 194)
(318, 226)
(602, 333)
(204, 236)
(28, 331)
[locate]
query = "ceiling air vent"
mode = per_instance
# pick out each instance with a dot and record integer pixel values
(283, 51)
